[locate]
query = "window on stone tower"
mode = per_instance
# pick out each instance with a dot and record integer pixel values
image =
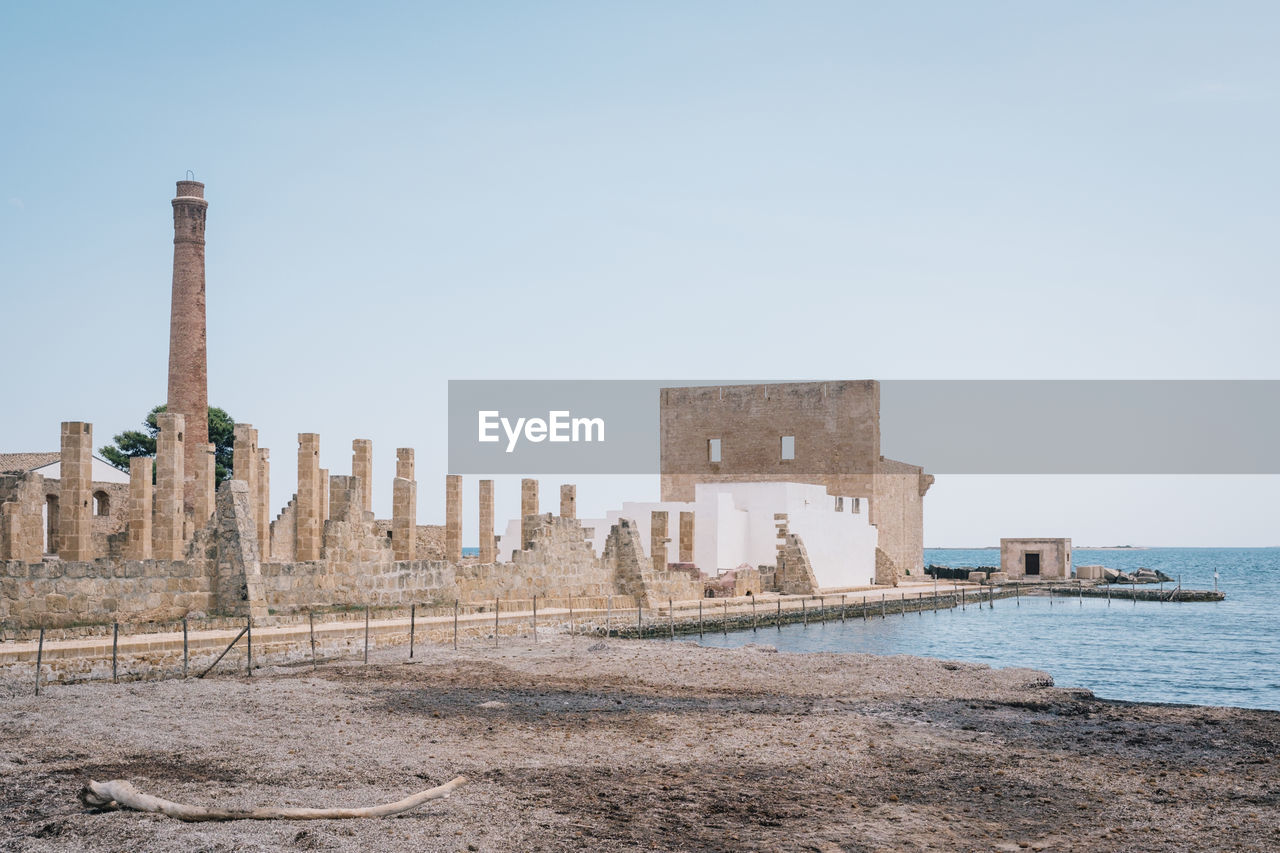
(713, 450)
(101, 503)
(788, 447)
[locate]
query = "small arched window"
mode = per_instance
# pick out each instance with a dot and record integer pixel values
(101, 503)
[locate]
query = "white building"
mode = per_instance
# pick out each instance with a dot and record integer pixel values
(734, 525)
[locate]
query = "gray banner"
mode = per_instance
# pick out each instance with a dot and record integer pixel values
(949, 427)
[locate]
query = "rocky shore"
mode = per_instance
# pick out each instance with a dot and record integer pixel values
(578, 744)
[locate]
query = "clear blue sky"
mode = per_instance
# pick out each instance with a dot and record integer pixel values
(404, 194)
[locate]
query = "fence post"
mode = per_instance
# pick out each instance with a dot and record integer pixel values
(184, 646)
(115, 650)
(311, 623)
(413, 614)
(39, 658)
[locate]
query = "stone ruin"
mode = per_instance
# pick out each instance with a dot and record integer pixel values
(157, 561)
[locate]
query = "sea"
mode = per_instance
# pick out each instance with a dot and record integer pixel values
(1219, 653)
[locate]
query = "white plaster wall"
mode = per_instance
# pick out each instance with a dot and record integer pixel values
(734, 524)
(103, 472)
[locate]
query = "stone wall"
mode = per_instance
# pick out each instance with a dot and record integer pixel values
(632, 573)
(22, 498)
(55, 593)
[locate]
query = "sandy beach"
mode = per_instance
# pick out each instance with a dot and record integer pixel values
(578, 744)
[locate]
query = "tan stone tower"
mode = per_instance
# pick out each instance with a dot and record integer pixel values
(188, 359)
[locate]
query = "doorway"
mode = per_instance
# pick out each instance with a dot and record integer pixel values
(1031, 562)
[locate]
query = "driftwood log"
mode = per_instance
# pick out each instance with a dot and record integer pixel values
(119, 794)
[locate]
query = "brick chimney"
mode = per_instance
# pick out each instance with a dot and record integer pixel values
(188, 361)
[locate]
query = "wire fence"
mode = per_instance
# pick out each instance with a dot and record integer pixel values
(324, 634)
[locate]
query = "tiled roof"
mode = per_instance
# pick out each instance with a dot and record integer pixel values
(12, 462)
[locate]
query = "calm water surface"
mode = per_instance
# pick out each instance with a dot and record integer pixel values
(1224, 653)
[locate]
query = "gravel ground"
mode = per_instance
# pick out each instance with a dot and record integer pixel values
(628, 745)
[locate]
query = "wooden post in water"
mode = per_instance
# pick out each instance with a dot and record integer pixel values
(822, 608)
(413, 615)
(1108, 594)
(1017, 594)
(39, 658)
(882, 597)
(1080, 592)
(962, 598)
(726, 617)
(779, 614)
(804, 614)
(699, 618)
(842, 608)
(755, 625)
(184, 647)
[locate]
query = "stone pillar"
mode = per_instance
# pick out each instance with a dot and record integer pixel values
(188, 369)
(568, 501)
(658, 539)
(308, 527)
(166, 528)
(246, 466)
(11, 539)
(404, 507)
(528, 509)
(75, 495)
(345, 498)
(206, 487)
(138, 542)
(263, 504)
(324, 498)
(487, 548)
(362, 467)
(686, 537)
(453, 518)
